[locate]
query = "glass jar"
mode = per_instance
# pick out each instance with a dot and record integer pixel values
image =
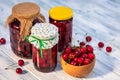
(44, 39)
(61, 16)
(19, 26)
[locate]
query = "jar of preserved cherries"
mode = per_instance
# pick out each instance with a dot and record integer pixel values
(23, 17)
(61, 16)
(44, 39)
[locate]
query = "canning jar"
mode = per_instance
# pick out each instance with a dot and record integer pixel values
(23, 17)
(61, 16)
(44, 39)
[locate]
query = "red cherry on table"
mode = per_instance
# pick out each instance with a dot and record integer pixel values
(2, 41)
(100, 44)
(91, 56)
(108, 48)
(88, 38)
(19, 71)
(20, 62)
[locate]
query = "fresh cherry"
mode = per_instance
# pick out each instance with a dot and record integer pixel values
(20, 62)
(89, 48)
(75, 49)
(73, 63)
(100, 44)
(91, 56)
(88, 38)
(2, 41)
(80, 60)
(75, 59)
(65, 56)
(84, 55)
(68, 50)
(71, 55)
(77, 53)
(81, 55)
(108, 48)
(82, 50)
(19, 71)
(86, 61)
(82, 44)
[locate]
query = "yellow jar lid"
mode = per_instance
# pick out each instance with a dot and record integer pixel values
(60, 13)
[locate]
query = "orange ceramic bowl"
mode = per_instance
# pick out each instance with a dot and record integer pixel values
(77, 71)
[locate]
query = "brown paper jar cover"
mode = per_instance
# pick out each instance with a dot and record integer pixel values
(25, 12)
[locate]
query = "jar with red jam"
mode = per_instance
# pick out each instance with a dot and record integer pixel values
(44, 39)
(61, 16)
(23, 17)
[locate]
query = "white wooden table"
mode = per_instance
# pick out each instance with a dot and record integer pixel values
(98, 18)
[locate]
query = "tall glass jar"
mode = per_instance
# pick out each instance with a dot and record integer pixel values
(44, 39)
(61, 16)
(23, 17)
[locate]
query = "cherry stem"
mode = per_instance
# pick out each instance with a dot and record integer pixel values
(73, 41)
(109, 42)
(81, 40)
(84, 36)
(78, 41)
(9, 67)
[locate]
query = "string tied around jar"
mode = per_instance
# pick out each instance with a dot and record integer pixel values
(41, 43)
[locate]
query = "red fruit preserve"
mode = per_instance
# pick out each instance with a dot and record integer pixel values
(20, 23)
(46, 63)
(61, 16)
(44, 39)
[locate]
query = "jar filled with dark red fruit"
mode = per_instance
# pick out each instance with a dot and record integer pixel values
(61, 16)
(44, 39)
(23, 17)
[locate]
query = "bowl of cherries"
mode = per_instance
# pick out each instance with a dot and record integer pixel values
(78, 61)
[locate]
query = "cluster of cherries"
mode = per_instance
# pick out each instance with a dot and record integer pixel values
(20, 63)
(83, 54)
(2, 41)
(18, 70)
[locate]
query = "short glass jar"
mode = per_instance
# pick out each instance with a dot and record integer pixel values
(44, 39)
(20, 23)
(61, 16)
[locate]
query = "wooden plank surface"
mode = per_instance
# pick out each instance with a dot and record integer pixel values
(100, 19)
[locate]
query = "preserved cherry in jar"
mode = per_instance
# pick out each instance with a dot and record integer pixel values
(48, 63)
(61, 16)
(23, 17)
(44, 39)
